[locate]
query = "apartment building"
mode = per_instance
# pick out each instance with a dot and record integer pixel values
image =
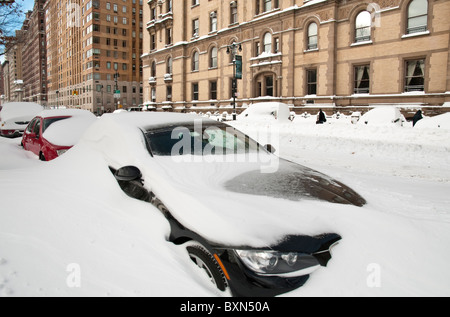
(336, 55)
(93, 49)
(34, 52)
(12, 70)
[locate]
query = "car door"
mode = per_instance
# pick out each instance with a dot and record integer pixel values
(28, 135)
(35, 138)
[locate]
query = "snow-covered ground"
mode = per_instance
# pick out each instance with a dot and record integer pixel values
(66, 228)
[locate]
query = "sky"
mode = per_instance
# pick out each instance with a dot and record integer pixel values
(26, 5)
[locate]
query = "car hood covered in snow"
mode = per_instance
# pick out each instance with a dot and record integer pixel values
(231, 202)
(294, 182)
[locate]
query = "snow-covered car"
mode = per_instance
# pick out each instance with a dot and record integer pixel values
(52, 132)
(229, 201)
(383, 116)
(15, 116)
(267, 111)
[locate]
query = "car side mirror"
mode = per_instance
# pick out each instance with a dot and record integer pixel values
(128, 174)
(270, 148)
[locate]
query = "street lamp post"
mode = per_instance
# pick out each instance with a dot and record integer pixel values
(232, 49)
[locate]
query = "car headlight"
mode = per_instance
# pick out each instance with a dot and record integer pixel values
(61, 152)
(273, 263)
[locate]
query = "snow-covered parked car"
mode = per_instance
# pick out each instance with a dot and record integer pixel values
(52, 132)
(382, 116)
(267, 111)
(15, 116)
(228, 200)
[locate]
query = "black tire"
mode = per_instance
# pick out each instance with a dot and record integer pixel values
(42, 157)
(205, 260)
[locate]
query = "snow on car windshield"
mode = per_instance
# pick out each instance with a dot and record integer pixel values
(49, 121)
(200, 140)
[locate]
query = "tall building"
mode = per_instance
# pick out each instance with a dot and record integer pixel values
(331, 54)
(34, 63)
(12, 69)
(93, 49)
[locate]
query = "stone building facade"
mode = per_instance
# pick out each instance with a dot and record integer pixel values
(332, 54)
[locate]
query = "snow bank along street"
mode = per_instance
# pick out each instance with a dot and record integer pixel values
(66, 228)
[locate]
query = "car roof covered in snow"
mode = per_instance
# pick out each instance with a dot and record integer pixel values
(65, 112)
(155, 120)
(20, 109)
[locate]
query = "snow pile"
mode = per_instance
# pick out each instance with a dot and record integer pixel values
(382, 116)
(78, 234)
(441, 122)
(20, 110)
(68, 132)
(266, 112)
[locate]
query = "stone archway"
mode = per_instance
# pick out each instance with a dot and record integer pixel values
(265, 84)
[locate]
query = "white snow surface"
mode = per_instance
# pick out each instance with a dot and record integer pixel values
(67, 132)
(75, 218)
(13, 112)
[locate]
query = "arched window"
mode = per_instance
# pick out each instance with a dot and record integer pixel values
(169, 66)
(268, 43)
(312, 36)
(213, 58)
(363, 27)
(417, 16)
(195, 61)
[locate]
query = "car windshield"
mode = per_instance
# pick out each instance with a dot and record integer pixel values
(49, 121)
(200, 140)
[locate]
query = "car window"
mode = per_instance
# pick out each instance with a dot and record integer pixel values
(210, 140)
(31, 124)
(49, 121)
(36, 129)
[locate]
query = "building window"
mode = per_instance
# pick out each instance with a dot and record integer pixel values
(152, 41)
(233, 12)
(195, 28)
(213, 90)
(168, 36)
(213, 21)
(417, 16)
(153, 69)
(169, 93)
(415, 75)
(276, 45)
(312, 36)
(269, 86)
(169, 66)
(311, 81)
(362, 79)
(213, 58)
(268, 43)
(195, 91)
(267, 5)
(195, 62)
(363, 27)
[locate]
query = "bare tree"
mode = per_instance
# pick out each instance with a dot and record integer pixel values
(10, 20)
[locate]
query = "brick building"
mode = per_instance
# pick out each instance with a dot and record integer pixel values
(93, 49)
(337, 55)
(34, 63)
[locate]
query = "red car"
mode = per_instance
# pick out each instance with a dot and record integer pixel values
(53, 132)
